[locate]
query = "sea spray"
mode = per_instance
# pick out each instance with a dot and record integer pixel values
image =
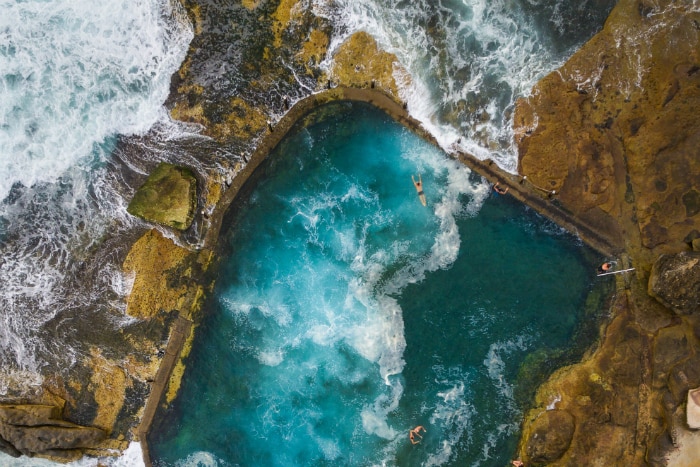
(469, 61)
(70, 80)
(74, 76)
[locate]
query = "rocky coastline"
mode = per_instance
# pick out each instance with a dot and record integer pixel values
(608, 148)
(613, 133)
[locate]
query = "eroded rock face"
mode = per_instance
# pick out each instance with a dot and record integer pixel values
(38, 430)
(168, 197)
(675, 281)
(551, 435)
(615, 134)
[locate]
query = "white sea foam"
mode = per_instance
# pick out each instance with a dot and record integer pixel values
(72, 76)
(447, 72)
(131, 457)
(495, 366)
(467, 62)
(453, 412)
(200, 459)
(74, 73)
(553, 404)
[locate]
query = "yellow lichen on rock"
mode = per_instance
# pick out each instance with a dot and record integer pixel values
(314, 49)
(287, 11)
(108, 383)
(184, 113)
(359, 63)
(153, 260)
(243, 121)
(251, 4)
(194, 12)
(182, 110)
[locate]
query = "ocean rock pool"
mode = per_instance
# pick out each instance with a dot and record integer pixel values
(345, 313)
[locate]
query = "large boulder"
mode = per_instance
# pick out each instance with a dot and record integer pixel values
(29, 414)
(551, 436)
(168, 197)
(38, 439)
(675, 281)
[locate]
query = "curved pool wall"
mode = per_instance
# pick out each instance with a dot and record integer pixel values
(345, 312)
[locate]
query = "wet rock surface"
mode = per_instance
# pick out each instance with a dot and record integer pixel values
(551, 435)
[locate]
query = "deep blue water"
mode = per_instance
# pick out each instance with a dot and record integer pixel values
(346, 313)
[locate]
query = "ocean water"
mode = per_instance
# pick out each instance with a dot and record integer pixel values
(346, 313)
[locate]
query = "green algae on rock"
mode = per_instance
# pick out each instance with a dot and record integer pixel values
(168, 197)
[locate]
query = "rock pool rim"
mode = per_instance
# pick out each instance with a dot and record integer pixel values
(536, 198)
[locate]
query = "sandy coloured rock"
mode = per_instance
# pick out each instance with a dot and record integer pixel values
(38, 430)
(693, 408)
(551, 435)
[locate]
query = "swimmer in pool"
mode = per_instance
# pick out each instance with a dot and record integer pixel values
(419, 188)
(416, 432)
(498, 189)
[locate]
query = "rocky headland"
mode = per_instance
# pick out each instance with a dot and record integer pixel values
(615, 135)
(608, 148)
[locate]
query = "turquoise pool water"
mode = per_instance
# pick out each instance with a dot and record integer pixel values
(345, 313)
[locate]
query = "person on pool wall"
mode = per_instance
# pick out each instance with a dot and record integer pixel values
(419, 188)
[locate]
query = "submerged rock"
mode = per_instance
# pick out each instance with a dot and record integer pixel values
(168, 197)
(675, 281)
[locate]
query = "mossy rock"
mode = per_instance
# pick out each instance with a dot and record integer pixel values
(168, 197)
